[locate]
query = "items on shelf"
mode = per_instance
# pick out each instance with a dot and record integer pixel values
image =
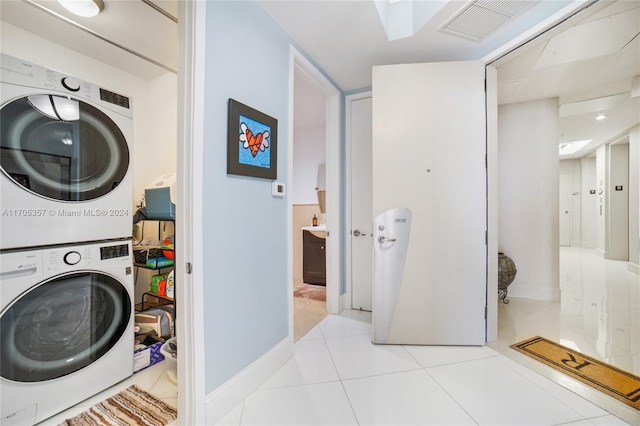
(168, 246)
(159, 262)
(159, 284)
(170, 285)
(158, 320)
(152, 328)
(160, 198)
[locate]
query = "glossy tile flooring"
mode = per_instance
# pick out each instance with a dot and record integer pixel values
(599, 311)
(338, 377)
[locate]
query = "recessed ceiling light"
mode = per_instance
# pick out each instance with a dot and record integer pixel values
(84, 8)
(601, 117)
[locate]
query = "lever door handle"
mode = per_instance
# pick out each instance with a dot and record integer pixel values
(383, 239)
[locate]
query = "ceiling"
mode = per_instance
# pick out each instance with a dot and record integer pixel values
(591, 57)
(139, 37)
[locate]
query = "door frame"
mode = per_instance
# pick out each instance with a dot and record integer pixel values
(348, 300)
(297, 61)
(189, 212)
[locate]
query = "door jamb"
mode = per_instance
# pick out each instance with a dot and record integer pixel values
(189, 169)
(348, 300)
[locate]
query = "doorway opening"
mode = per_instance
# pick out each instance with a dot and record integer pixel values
(314, 196)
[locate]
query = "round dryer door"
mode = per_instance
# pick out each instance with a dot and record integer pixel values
(61, 148)
(62, 326)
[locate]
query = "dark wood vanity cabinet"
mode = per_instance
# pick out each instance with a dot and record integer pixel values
(314, 263)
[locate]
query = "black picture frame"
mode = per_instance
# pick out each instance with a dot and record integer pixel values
(252, 142)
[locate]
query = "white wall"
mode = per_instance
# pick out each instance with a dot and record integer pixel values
(153, 102)
(634, 199)
(574, 167)
(589, 205)
(529, 188)
(618, 200)
(309, 151)
(155, 154)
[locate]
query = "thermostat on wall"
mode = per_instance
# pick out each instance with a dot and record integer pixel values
(277, 189)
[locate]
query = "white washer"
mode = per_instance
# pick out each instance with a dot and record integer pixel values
(65, 157)
(66, 327)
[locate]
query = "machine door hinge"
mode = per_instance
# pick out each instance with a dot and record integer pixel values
(188, 267)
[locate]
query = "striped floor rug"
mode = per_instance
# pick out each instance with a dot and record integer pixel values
(131, 407)
(620, 384)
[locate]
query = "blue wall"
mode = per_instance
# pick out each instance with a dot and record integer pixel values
(245, 228)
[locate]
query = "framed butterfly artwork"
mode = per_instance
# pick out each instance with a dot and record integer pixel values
(252, 142)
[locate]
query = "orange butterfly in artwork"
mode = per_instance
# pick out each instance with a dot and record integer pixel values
(252, 142)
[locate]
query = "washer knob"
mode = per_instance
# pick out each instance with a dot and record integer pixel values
(72, 258)
(70, 84)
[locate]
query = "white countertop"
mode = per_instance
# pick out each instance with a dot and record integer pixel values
(320, 228)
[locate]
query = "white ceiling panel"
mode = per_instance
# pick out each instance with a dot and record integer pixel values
(602, 37)
(592, 106)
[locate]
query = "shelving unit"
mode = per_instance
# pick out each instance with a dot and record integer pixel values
(157, 295)
(153, 250)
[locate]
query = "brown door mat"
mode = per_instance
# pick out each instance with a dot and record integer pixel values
(613, 381)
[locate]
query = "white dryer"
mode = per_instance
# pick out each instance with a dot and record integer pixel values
(65, 157)
(66, 327)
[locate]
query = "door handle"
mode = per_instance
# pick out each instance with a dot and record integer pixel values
(382, 240)
(356, 233)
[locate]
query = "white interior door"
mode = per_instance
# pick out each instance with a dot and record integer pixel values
(566, 219)
(428, 155)
(360, 134)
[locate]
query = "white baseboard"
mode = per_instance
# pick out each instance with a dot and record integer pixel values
(227, 397)
(533, 292)
(632, 267)
(601, 253)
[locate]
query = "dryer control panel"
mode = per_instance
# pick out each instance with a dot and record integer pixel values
(112, 252)
(17, 71)
(67, 258)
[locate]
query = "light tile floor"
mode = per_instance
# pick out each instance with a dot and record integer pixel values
(337, 377)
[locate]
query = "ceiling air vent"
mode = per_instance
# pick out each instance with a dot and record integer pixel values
(480, 18)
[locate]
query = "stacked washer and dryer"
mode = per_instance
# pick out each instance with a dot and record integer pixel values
(66, 268)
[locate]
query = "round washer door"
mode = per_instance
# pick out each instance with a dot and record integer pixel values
(62, 326)
(61, 148)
